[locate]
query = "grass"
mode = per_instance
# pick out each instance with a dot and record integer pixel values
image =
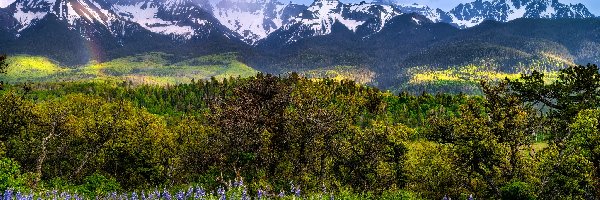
(150, 68)
(24, 68)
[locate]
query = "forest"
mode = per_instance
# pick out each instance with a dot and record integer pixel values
(288, 137)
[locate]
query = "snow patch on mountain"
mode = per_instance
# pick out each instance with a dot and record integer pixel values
(253, 20)
(27, 18)
(146, 14)
(6, 3)
(324, 13)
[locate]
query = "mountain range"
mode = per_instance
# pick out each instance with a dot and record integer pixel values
(383, 35)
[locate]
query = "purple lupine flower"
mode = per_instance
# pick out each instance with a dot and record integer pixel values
(18, 195)
(8, 194)
(180, 195)
(199, 193)
(297, 191)
(260, 193)
(166, 195)
(143, 195)
(134, 196)
(113, 195)
(150, 196)
(245, 194)
(471, 197)
(221, 193)
(189, 193)
(281, 194)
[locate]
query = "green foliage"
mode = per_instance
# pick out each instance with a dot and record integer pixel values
(576, 89)
(352, 140)
(431, 173)
(566, 175)
(10, 175)
(150, 68)
(517, 191)
(486, 139)
(96, 185)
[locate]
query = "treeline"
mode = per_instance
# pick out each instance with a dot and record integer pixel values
(322, 135)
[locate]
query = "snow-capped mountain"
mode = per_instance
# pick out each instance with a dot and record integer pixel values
(255, 20)
(77, 13)
(180, 19)
(435, 15)
(471, 14)
(321, 16)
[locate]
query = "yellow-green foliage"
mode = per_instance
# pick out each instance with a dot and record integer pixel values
(360, 75)
(151, 68)
(471, 74)
(29, 68)
(155, 68)
(430, 171)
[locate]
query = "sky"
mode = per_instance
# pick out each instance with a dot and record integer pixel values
(592, 5)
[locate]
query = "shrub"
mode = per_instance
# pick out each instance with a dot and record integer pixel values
(10, 175)
(517, 191)
(97, 184)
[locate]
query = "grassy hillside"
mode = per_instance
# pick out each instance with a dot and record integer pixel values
(150, 68)
(24, 68)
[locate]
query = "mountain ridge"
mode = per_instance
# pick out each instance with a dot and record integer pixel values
(254, 20)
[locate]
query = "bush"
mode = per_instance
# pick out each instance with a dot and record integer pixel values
(97, 184)
(10, 175)
(517, 191)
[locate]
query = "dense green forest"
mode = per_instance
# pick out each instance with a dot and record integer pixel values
(524, 138)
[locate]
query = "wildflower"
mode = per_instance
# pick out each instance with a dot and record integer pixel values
(297, 191)
(245, 195)
(189, 192)
(134, 196)
(221, 193)
(281, 194)
(260, 193)
(180, 195)
(166, 195)
(8, 194)
(199, 193)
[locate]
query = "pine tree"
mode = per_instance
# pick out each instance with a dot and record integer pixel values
(3, 67)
